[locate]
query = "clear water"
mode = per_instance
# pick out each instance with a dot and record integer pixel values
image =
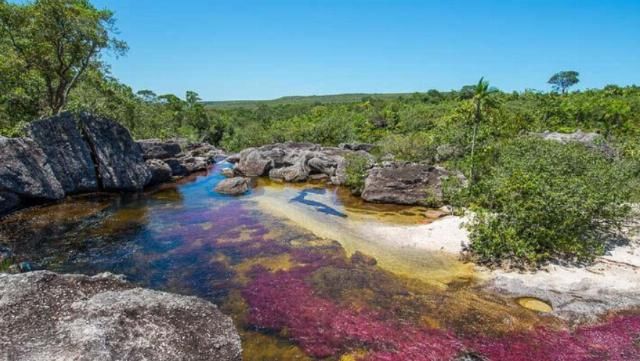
(293, 267)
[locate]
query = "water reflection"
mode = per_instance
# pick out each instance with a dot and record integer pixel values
(270, 261)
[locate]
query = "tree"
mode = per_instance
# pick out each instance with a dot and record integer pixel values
(58, 40)
(480, 98)
(564, 80)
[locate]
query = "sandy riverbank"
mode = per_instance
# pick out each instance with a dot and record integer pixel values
(575, 292)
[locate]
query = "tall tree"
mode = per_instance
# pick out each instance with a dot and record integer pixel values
(58, 40)
(480, 100)
(564, 80)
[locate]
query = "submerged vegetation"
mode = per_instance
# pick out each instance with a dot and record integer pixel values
(535, 200)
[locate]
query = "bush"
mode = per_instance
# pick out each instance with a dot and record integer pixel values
(418, 147)
(357, 166)
(539, 200)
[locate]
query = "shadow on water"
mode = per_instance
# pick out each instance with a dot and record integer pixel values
(318, 206)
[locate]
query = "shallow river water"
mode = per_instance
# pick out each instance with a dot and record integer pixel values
(294, 266)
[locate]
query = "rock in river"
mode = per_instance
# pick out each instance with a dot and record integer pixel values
(233, 186)
(67, 152)
(47, 316)
(159, 149)
(119, 159)
(404, 183)
(160, 171)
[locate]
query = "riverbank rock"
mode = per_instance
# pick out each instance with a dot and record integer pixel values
(66, 151)
(160, 171)
(233, 186)
(295, 162)
(25, 171)
(47, 316)
(404, 183)
(159, 149)
(205, 150)
(119, 159)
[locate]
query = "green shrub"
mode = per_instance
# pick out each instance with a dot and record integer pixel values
(357, 166)
(418, 147)
(539, 200)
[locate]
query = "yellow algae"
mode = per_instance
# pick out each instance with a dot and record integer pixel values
(354, 356)
(235, 306)
(281, 262)
(244, 234)
(259, 347)
(72, 209)
(534, 304)
(121, 220)
(206, 226)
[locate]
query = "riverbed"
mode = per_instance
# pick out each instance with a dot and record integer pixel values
(311, 272)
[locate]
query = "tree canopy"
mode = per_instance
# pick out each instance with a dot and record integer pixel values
(564, 80)
(51, 44)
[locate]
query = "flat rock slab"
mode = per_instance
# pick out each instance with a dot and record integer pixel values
(48, 316)
(404, 183)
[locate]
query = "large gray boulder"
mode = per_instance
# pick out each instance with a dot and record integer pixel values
(404, 183)
(160, 171)
(47, 316)
(233, 186)
(254, 163)
(159, 149)
(119, 159)
(26, 172)
(67, 152)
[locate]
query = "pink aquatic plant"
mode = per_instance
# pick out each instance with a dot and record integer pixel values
(617, 339)
(284, 302)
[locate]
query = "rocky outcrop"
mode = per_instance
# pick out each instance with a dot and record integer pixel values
(591, 140)
(79, 153)
(294, 162)
(233, 186)
(404, 183)
(160, 171)
(159, 149)
(366, 147)
(25, 171)
(47, 316)
(67, 152)
(118, 158)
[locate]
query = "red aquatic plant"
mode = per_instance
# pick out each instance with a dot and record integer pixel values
(616, 339)
(284, 302)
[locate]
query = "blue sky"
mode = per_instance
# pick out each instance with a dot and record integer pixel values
(266, 49)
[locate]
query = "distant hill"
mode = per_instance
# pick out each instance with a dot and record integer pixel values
(309, 99)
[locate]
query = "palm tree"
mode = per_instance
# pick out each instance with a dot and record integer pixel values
(480, 99)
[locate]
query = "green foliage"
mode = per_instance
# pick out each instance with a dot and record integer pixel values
(564, 80)
(53, 42)
(356, 169)
(415, 147)
(540, 200)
